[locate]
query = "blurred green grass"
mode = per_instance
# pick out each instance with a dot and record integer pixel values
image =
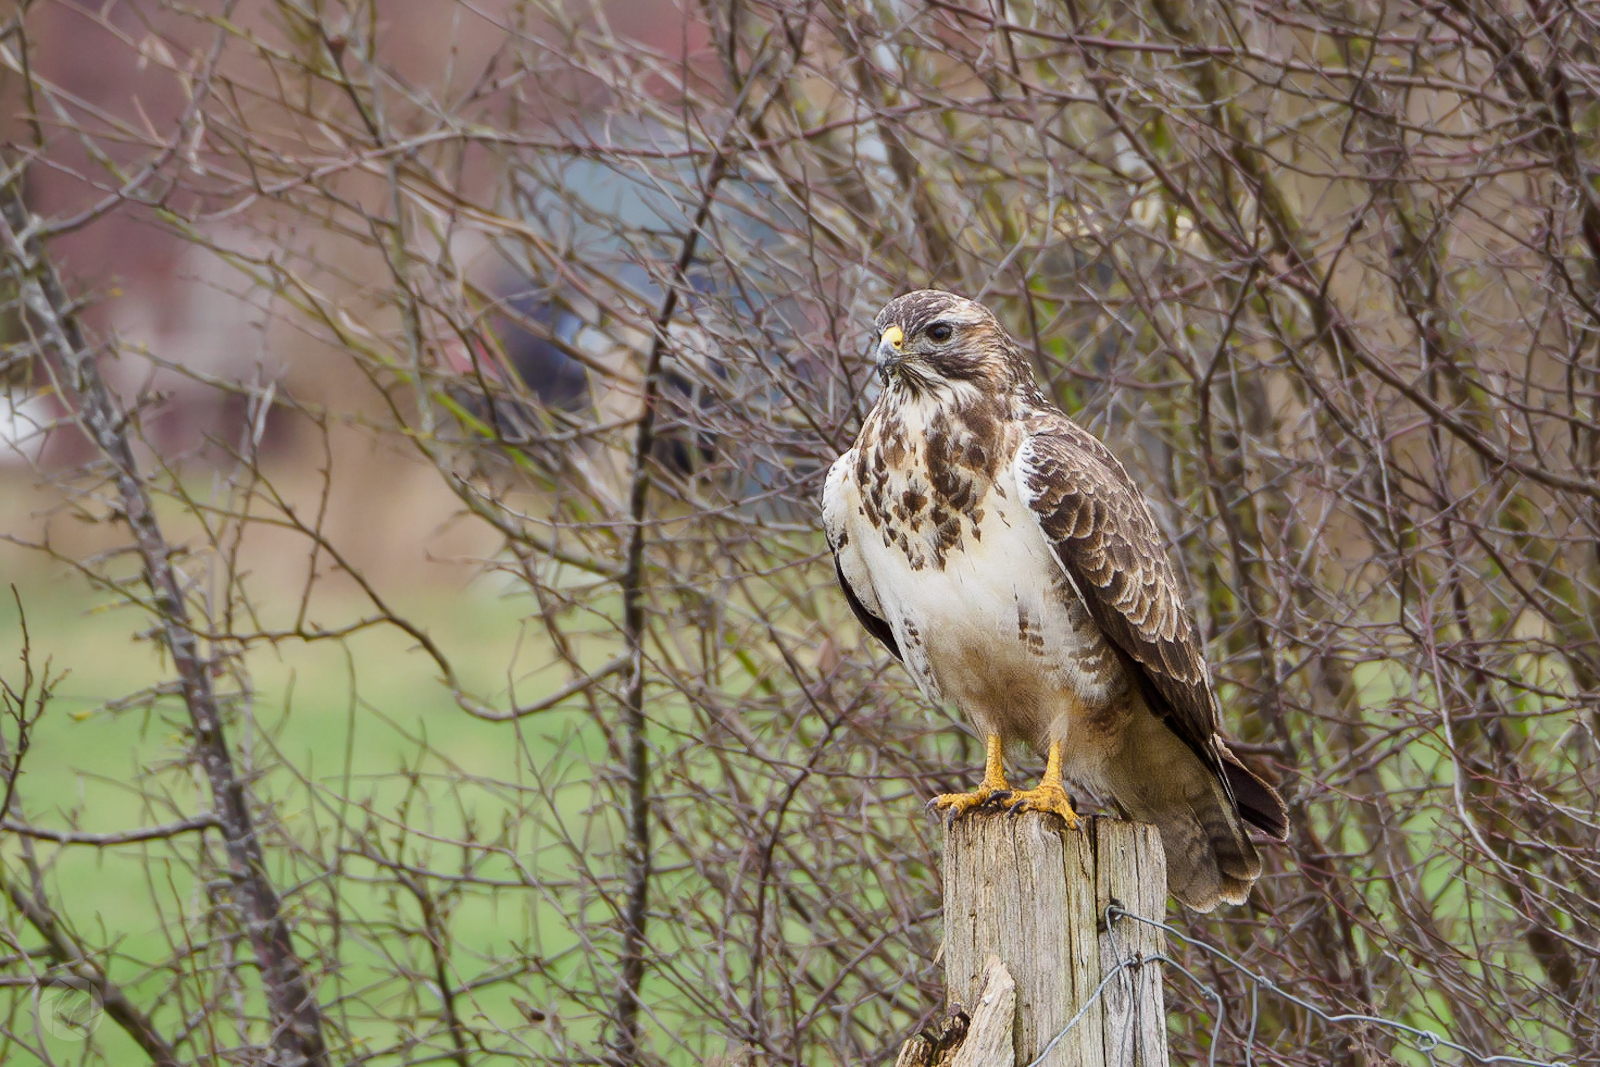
(302, 692)
(366, 719)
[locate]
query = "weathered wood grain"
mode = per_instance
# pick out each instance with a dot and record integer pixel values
(1131, 870)
(1031, 893)
(989, 1040)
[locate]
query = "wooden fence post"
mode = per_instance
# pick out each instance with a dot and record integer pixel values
(1028, 895)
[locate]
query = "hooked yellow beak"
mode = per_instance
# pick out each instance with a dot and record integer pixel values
(888, 355)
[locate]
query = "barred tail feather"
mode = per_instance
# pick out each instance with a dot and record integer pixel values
(1158, 779)
(1258, 802)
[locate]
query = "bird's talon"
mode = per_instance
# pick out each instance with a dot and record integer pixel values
(1046, 798)
(955, 805)
(993, 788)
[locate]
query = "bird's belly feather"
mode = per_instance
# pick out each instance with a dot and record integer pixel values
(999, 631)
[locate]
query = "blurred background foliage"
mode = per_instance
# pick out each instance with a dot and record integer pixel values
(413, 419)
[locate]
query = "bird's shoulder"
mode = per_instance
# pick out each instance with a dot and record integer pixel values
(838, 492)
(1069, 477)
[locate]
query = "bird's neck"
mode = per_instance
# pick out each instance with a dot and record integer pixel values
(950, 407)
(955, 441)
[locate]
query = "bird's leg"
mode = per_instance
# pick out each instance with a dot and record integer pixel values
(993, 785)
(1050, 795)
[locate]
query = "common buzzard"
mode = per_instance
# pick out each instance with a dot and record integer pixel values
(1003, 555)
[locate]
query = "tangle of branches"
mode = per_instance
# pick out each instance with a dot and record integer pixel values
(304, 301)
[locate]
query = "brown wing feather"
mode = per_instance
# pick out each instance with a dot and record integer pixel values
(1108, 542)
(875, 626)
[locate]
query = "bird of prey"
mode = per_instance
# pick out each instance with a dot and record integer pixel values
(1002, 553)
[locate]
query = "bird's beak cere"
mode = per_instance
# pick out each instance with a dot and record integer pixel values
(890, 350)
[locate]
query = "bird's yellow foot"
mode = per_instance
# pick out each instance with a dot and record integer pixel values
(955, 805)
(1049, 796)
(992, 788)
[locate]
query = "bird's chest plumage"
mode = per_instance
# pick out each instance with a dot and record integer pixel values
(982, 611)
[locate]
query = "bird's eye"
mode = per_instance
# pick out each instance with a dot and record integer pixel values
(940, 332)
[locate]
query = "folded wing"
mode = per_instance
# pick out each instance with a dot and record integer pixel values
(1107, 542)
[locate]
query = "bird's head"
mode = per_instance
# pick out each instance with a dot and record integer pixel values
(933, 341)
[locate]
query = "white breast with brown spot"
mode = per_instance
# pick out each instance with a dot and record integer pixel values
(974, 623)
